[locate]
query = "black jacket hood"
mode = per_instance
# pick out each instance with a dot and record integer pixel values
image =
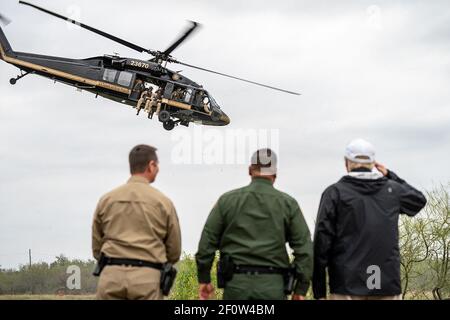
(364, 186)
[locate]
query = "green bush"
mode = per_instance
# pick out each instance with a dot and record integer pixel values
(186, 284)
(42, 278)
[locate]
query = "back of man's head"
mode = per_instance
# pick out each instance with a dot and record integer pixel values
(360, 154)
(264, 162)
(140, 157)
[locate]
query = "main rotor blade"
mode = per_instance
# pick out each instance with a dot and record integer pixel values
(236, 78)
(181, 39)
(4, 20)
(99, 32)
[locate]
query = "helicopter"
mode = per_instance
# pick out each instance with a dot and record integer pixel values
(142, 84)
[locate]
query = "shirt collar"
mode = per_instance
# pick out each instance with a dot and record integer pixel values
(137, 179)
(371, 175)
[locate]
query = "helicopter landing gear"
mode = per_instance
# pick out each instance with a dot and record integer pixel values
(169, 125)
(164, 116)
(13, 81)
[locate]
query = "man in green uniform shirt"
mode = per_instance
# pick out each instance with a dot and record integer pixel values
(251, 227)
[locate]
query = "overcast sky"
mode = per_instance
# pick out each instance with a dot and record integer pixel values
(372, 69)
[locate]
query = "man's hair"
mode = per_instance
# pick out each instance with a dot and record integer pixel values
(140, 156)
(264, 161)
(355, 165)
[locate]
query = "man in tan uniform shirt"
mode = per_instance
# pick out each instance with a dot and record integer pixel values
(135, 221)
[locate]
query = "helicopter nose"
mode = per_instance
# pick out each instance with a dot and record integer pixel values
(225, 119)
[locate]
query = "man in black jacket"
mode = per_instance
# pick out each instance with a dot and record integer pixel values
(356, 235)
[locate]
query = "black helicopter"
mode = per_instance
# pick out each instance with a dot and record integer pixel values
(148, 85)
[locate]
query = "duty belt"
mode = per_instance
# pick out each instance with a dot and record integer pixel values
(259, 270)
(132, 262)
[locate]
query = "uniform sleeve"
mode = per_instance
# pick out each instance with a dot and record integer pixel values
(324, 234)
(209, 244)
(411, 199)
(173, 239)
(299, 239)
(97, 231)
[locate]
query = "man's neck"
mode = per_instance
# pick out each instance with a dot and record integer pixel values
(361, 169)
(268, 178)
(141, 175)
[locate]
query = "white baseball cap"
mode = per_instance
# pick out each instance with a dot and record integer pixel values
(267, 160)
(360, 148)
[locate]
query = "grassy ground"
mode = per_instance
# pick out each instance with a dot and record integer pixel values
(47, 297)
(92, 297)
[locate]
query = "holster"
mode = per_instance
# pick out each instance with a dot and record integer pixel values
(289, 280)
(225, 270)
(101, 263)
(168, 275)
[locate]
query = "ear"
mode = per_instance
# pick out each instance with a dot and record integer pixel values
(150, 166)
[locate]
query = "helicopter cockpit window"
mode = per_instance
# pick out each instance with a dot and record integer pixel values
(125, 78)
(109, 75)
(213, 102)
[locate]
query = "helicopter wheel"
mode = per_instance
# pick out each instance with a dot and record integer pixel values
(12, 81)
(169, 125)
(164, 116)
